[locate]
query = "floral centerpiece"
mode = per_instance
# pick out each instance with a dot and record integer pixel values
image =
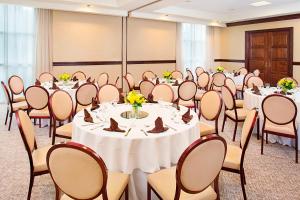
(286, 84)
(167, 75)
(65, 77)
(220, 69)
(136, 100)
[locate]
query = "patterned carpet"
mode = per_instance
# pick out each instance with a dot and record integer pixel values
(271, 176)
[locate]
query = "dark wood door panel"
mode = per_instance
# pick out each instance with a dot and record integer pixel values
(279, 53)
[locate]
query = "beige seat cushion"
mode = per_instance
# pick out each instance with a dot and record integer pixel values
(65, 130)
(80, 107)
(285, 129)
(164, 183)
(239, 103)
(199, 95)
(233, 157)
(40, 113)
(206, 129)
(19, 98)
(20, 106)
(116, 184)
(39, 158)
(241, 112)
(189, 103)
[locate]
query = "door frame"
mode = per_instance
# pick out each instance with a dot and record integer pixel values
(290, 30)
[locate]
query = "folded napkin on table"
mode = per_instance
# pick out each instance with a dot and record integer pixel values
(150, 99)
(37, 82)
(114, 127)
(176, 104)
(176, 83)
(236, 74)
(145, 78)
(93, 81)
(187, 117)
(74, 78)
(76, 86)
(256, 90)
(95, 104)
(88, 80)
(54, 79)
(159, 126)
(88, 117)
(157, 81)
(187, 78)
(54, 87)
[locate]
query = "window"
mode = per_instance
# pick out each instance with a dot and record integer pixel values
(17, 43)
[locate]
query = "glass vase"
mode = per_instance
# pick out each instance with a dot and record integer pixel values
(135, 111)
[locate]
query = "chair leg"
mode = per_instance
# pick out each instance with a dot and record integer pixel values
(34, 121)
(50, 127)
(40, 123)
(267, 138)
(243, 187)
(258, 128)
(6, 116)
(224, 120)
(53, 137)
(148, 191)
(296, 148)
(234, 133)
(126, 193)
(30, 186)
(216, 187)
(10, 116)
(262, 143)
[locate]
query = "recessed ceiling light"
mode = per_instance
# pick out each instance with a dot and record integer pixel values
(260, 3)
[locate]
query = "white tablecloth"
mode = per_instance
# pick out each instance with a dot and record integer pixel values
(255, 101)
(137, 154)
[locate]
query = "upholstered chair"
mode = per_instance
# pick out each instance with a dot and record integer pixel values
(108, 93)
(37, 99)
(36, 155)
(79, 75)
(199, 71)
(163, 92)
(102, 79)
(256, 72)
(146, 87)
(243, 71)
(202, 82)
(177, 75)
(186, 93)
(16, 86)
(45, 77)
(190, 75)
(280, 113)
(234, 160)
(82, 174)
(149, 75)
(131, 82)
(61, 110)
(197, 169)
(218, 80)
(84, 96)
(11, 106)
(231, 85)
(241, 88)
(254, 80)
(210, 109)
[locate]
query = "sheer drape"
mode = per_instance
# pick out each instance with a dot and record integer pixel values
(17, 46)
(194, 46)
(43, 61)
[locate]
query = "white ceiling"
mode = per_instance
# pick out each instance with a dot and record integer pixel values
(213, 12)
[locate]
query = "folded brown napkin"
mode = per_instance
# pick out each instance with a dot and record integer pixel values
(236, 74)
(93, 81)
(256, 90)
(114, 127)
(54, 86)
(95, 104)
(159, 126)
(187, 78)
(145, 78)
(76, 86)
(150, 99)
(121, 98)
(54, 79)
(74, 78)
(187, 117)
(176, 83)
(157, 81)
(37, 82)
(88, 117)
(176, 104)
(88, 80)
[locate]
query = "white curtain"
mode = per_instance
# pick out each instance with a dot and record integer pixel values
(17, 43)
(43, 60)
(194, 46)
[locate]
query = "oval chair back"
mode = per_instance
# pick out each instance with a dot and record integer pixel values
(195, 170)
(79, 75)
(163, 92)
(256, 72)
(81, 174)
(228, 98)
(146, 87)
(199, 71)
(177, 75)
(61, 106)
(108, 93)
(130, 81)
(16, 85)
(231, 85)
(218, 80)
(255, 80)
(37, 97)
(102, 79)
(243, 71)
(203, 80)
(190, 75)
(187, 90)
(149, 75)
(84, 95)
(45, 77)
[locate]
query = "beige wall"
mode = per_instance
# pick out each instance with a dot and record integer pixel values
(90, 37)
(232, 42)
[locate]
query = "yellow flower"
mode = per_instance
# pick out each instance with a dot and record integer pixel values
(135, 98)
(220, 69)
(167, 74)
(65, 77)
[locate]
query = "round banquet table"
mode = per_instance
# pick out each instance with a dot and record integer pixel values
(255, 101)
(137, 154)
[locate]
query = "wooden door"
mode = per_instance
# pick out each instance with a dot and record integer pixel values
(270, 51)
